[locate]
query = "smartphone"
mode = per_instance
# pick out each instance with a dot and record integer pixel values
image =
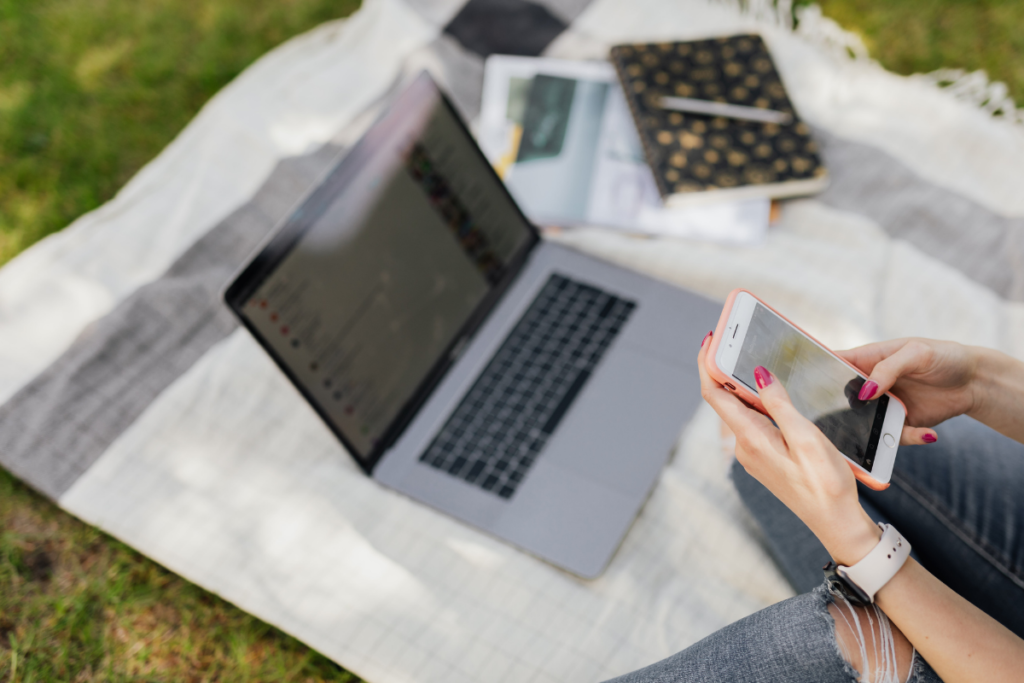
(822, 386)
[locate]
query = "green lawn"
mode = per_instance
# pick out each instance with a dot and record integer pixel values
(915, 36)
(76, 605)
(92, 89)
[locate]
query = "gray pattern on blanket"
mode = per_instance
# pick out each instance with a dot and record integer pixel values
(986, 247)
(57, 426)
(60, 423)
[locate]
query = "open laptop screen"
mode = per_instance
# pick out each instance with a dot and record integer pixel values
(367, 291)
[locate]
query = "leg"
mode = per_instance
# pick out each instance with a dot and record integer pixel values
(797, 552)
(959, 503)
(871, 643)
(795, 549)
(795, 641)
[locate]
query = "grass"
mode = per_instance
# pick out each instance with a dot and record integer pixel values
(918, 36)
(76, 605)
(92, 89)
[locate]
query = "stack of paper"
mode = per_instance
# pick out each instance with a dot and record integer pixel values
(560, 134)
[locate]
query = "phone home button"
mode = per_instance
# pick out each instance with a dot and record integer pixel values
(889, 440)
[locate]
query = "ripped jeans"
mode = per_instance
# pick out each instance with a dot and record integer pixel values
(960, 503)
(792, 641)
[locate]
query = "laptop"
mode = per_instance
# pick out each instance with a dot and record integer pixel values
(520, 386)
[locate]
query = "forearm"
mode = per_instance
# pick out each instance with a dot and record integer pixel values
(958, 640)
(998, 392)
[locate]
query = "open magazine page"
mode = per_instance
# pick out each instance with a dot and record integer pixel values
(561, 136)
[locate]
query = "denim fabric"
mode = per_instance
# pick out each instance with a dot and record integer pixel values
(790, 642)
(797, 551)
(959, 503)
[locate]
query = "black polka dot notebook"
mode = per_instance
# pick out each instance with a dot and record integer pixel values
(693, 155)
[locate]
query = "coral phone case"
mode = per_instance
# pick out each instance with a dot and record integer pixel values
(750, 397)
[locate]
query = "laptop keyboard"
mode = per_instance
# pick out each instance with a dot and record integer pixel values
(503, 422)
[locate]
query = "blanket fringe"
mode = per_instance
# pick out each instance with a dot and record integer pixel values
(810, 23)
(975, 88)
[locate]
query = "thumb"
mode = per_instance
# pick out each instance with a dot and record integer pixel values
(907, 359)
(777, 404)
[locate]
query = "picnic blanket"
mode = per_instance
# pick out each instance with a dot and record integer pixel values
(131, 397)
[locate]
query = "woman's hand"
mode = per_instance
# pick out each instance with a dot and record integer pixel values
(934, 379)
(796, 462)
(805, 471)
(938, 380)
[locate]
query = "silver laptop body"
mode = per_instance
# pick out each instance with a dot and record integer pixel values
(515, 384)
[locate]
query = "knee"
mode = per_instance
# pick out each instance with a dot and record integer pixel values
(871, 644)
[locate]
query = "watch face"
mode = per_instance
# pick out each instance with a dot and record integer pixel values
(840, 586)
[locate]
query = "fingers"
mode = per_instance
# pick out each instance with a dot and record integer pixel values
(776, 402)
(909, 358)
(736, 414)
(866, 357)
(916, 436)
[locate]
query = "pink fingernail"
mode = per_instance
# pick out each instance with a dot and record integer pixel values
(705, 339)
(762, 377)
(867, 391)
(929, 438)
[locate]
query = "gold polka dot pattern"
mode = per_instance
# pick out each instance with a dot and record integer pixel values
(696, 153)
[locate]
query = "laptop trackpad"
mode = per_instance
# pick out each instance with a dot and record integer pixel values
(622, 428)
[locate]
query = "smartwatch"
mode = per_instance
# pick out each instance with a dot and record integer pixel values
(862, 581)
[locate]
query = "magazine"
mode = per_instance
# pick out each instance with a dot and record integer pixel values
(561, 136)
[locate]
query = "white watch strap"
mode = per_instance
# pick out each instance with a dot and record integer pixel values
(880, 565)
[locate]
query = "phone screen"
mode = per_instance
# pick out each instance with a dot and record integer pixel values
(822, 388)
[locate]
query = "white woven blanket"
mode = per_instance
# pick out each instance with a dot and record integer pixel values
(132, 399)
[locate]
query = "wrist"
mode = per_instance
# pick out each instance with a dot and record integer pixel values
(997, 391)
(860, 582)
(984, 375)
(849, 541)
(897, 581)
